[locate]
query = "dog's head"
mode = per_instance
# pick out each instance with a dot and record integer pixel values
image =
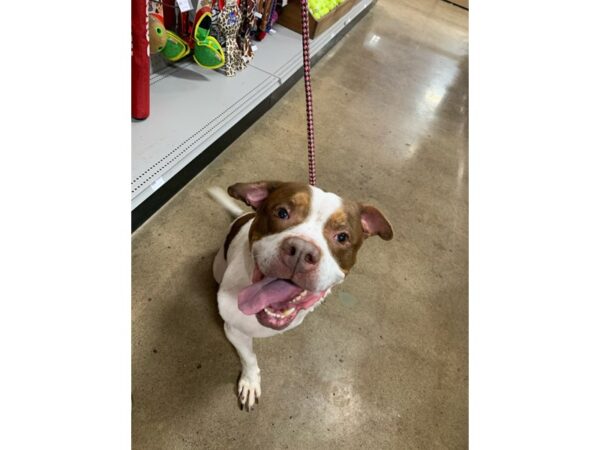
(304, 241)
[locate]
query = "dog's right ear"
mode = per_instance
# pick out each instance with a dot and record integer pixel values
(253, 194)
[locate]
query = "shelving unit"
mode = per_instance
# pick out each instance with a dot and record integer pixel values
(195, 112)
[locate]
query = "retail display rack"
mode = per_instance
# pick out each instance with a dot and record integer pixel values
(196, 113)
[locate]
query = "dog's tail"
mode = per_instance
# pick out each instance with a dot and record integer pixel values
(221, 197)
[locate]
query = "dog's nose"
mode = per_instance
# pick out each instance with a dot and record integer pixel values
(299, 254)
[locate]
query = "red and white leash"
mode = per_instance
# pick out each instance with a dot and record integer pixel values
(312, 168)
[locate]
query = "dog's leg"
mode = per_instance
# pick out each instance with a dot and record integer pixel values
(249, 384)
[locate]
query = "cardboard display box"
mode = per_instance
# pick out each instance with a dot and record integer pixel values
(291, 17)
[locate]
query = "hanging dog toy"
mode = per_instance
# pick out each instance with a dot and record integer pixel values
(164, 41)
(207, 50)
(312, 169)
(229, 22)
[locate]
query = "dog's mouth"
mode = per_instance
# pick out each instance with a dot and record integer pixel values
(275, 301)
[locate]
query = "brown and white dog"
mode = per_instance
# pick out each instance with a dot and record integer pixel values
(279, 262)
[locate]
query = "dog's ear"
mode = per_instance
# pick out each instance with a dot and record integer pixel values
(253, 194)
(374, 223)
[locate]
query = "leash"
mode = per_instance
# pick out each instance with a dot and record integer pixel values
(312, 169)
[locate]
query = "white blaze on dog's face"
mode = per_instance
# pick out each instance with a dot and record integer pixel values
(304, 241)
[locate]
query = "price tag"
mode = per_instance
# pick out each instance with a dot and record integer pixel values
(257, 15)
(185, 5)
(158, 183)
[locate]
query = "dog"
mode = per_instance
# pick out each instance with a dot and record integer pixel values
(279, 262)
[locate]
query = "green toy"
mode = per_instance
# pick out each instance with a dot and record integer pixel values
(208, 52)
(163, 41)
(175, 48)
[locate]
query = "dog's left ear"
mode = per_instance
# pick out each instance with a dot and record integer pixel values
(374, 223)
(253, 194)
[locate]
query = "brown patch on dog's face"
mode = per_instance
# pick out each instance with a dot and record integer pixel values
(344, 234)
(234, 229)
(291, 201)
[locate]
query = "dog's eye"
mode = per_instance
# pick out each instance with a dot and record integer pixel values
(341, 238)
(282, 213)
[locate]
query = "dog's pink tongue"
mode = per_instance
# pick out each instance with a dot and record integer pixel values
(266, 292)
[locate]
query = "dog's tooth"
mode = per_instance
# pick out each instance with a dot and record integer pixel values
(288, 311)
(282, 315)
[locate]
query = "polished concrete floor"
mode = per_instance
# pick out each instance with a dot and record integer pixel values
(383, 363)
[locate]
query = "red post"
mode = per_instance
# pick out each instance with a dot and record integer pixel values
(140, 60)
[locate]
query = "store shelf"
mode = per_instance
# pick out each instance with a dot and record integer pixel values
(192, 108)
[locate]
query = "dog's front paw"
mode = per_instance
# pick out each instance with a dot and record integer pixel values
(249, 390)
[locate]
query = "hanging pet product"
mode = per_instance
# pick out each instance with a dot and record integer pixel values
(164, 41)
(176, 48)
(248, 9)
(229, 22)
(264, 8)
(208, 52)
(157, 33)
